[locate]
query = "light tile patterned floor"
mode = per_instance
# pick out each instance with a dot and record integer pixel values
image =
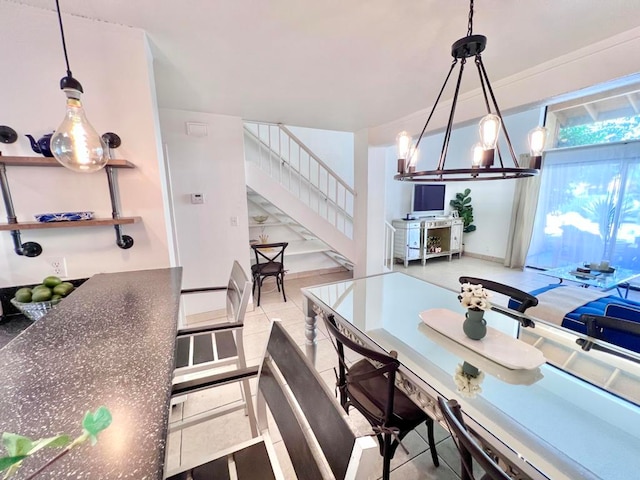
(199, 441)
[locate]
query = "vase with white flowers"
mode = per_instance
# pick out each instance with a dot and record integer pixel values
(468, 379)
(475, 299)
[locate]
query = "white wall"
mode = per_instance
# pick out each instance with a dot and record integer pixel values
(332, 147)
(214, 166)
(113, 65)
(492, 200)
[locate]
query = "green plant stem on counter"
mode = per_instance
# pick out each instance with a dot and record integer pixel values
(19, 448)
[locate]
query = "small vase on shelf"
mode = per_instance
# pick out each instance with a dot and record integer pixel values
(475, 326)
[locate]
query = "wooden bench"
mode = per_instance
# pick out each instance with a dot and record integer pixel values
(318, 438)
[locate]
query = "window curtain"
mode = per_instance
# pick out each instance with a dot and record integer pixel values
(589, 207)
(525, 202)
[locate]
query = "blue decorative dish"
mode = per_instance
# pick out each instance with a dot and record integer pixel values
(63, 216)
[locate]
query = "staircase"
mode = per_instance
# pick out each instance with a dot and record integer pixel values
(297, 190)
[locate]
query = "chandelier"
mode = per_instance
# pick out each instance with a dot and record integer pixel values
(491, 125)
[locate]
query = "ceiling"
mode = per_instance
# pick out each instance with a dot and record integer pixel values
(340, 64)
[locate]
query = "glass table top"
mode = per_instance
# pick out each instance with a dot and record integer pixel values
(598, 279)
(586, 427)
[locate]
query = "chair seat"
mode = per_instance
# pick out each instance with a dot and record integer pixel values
(271, 268)
(372, 392)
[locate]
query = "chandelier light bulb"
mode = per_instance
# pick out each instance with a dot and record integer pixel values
(76, 144)
(403, 142)
(477, 155)
(537, 140)
(414, 155)
(489, 130)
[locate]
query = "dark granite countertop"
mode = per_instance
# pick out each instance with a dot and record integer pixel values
(11, 326)
(109, 343)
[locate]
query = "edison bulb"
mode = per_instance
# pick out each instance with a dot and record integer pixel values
(403, 142)
(76, 144)
(477, 155)
(414, 154)
(537, 139)
(489, 130)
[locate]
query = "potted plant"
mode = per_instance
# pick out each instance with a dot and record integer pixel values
(462, 204)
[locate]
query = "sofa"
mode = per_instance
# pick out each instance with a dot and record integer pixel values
(611, 306)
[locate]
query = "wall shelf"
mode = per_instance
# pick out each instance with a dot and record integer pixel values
(303, 247)
(52, 162)
(33, 249)
(95, 222)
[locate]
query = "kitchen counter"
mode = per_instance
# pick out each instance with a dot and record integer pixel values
(11, 326)
(110, 343)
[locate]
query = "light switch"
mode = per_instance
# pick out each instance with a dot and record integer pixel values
(197, 198)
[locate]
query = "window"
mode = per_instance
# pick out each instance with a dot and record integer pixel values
(589, 201)
(608, 117)
(589, 207)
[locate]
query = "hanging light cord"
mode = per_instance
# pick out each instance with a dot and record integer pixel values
(64, 43)
(469, 26)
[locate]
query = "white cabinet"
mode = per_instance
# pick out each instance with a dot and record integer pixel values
(427, 238)
(408, 240)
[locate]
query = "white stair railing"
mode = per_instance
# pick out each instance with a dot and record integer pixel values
(297, 169)
(389, 236)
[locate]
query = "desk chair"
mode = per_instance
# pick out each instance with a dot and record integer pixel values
(520, 300)
(369, 386)
(269, 263)
(467, 446)
(294, 392)
(220, 344)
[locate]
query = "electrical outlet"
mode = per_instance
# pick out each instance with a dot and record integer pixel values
(58, 266)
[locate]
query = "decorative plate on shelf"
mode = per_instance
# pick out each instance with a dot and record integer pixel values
(63, 216)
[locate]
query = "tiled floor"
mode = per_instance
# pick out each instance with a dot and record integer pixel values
(199, 441)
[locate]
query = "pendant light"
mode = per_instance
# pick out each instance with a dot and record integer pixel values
(482, 156)
(76, 144)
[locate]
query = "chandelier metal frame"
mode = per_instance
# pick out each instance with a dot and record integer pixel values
(469, 46)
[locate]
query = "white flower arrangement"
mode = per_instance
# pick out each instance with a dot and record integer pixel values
(474, 297)
(468, 385)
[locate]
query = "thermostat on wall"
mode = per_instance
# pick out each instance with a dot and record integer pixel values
(197, 198)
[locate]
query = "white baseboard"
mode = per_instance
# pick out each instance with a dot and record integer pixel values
(483, 257)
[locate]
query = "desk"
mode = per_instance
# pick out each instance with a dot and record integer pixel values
(601, 280)
(558, 427)
(111, 343)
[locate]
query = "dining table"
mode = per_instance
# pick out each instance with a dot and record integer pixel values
(536, 419)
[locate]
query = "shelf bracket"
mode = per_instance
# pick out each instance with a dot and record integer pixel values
(27, 249)
(123, 241)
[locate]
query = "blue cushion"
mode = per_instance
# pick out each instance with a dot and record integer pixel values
(625, 312)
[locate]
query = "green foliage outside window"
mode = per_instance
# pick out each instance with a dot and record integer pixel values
(607, 131)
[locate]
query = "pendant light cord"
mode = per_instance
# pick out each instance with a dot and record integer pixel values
(469, 26)
(64, 43)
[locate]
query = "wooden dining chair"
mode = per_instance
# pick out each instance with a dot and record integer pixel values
(469, 449)
(269, 263)
(519, 301)
(219, 343)
(369, 386)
